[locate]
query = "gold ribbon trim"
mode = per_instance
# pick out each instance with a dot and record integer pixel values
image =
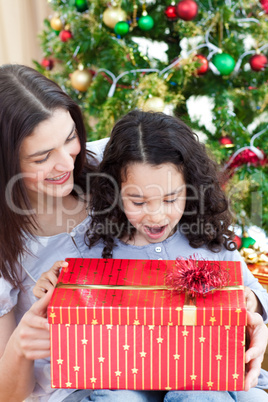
(62, 285)
(111, 287)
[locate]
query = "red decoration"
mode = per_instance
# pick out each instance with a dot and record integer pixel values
(47, 63)
(65, 35)
(187, 10)
(258, 62)
(203, 64)
(238, 241)
(264, 4)
(247, 157)
(226, 142)
(196, 277)
(171, 13)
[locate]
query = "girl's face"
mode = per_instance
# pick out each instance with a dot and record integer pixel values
(47, 157)
(154, 200)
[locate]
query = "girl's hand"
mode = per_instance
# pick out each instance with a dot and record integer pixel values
(257, 333)
(48, 279)
(252, 302)
(32, 333)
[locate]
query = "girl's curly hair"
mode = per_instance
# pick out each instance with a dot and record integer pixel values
(156, 138)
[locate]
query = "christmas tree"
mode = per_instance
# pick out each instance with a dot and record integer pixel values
(213, 48)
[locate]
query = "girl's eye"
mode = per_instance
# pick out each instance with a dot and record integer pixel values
(171, 201)
(138, 204)
(43, 160)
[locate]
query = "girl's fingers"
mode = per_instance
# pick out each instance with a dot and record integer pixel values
(57, 266)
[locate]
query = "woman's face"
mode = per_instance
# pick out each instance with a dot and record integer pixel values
(47, 158)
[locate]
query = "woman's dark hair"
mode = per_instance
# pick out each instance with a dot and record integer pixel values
(26, 99)
(156, 138)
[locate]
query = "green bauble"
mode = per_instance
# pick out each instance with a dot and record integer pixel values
(247, 242)
(81, 5)
(146, 23)
(121, 28)
(224, 63)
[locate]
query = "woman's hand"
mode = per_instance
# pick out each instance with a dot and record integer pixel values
(252, 302)
(32, 339)
(257, 333)
(48, 279)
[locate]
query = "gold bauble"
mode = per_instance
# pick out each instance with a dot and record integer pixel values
(154, 104)
(81, 79)
(112, 15)
(56, 23)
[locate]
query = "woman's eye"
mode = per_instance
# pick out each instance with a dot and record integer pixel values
(43, 160)
(73, 137)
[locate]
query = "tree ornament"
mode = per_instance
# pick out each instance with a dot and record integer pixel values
(203, 64)
(65, 35)
(121, 28)
(81, 5)
(48, 64)
(56, 23)
(154, 104)
(171, 13)
(81, 79)
(226, 142)
(112, 15)
(224, 63)
(238, 241)
(187, 10)
(247, 241)
(264, 4)
(258, 62)
(247, 157)
(146, 23)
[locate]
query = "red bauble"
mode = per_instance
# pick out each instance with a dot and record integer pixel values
(171, 13)
(203, 64)
(264, 4)
(226, 142)
(48, 64)
(258, 62)
(247, 157)
(187, 9)
(65, 35)
(238, 241)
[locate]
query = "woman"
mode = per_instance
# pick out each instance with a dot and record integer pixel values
(44, 180)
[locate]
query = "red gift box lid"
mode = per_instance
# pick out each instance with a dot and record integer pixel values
(133, 292)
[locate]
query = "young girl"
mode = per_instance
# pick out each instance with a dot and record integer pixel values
(158, 197)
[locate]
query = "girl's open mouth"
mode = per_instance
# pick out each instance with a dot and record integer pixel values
(155, 232)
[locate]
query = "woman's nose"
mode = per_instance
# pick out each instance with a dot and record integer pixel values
(65, 162)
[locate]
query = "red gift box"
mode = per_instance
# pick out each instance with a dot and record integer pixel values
(116, 325)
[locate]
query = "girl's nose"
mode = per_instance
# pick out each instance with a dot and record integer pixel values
(156, 215)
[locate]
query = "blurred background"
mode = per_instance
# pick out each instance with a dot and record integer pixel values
(20, 23)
